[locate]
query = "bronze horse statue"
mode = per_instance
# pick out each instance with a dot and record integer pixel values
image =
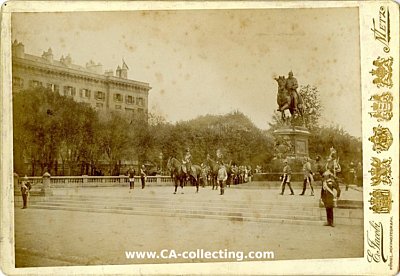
(179, 175)
(287, 100)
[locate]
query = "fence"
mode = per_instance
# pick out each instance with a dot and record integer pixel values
(55, 182)
(37, 183)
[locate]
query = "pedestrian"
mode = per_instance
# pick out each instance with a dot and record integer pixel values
(143, 175)
(308, 176)
(328, 198)
(222, 176)
(25, 188)
(287, 174)
(131, 175)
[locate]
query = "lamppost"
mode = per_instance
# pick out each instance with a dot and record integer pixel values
(161, 161)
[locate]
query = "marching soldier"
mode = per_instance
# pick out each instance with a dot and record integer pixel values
(328, 197)
(308, 177)
(287, 173)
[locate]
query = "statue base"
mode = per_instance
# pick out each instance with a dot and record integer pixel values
(291, 142)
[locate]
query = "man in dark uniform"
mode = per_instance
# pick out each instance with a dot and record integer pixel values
(143, 175)
(131, 175)
(328, 197)
(25, 188)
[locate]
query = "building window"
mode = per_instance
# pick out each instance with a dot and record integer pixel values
(53, 87)
(18, 82)
(99, 95)
(35, 83)
(117, 97)
(85, 93)
(139, 101)
(129, 99)
(118, 107)
(69, 91)
(130, 110)
(99, 105)
(140, 110)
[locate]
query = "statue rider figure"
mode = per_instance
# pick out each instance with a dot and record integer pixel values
(187, 161)
(291, 86)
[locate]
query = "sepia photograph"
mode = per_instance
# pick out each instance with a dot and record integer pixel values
(191, 136)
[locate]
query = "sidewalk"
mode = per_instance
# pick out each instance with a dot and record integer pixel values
(59, 237)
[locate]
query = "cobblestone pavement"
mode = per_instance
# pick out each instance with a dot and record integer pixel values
(60, 238)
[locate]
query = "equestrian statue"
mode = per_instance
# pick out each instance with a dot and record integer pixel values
(288, 98)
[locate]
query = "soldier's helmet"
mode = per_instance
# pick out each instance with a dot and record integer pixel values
(290, 73)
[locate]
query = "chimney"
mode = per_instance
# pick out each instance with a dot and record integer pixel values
(94, 68)
(124, 70)
(18, 49)
(118, 72)
(66, 60)
(109, 73)
(48, 55)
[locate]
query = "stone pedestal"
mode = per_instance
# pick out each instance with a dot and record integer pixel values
(291, 142)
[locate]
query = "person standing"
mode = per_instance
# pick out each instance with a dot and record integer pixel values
(131, 175)
(287, 174)
(328, 197)
(143, 175)
(222, 176)
(308, 177)
(25, 188)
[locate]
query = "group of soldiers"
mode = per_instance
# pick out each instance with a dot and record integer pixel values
(227, 174)
(131, 176)
(327, 173)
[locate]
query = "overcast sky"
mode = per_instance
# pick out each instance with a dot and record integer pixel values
(215, 61)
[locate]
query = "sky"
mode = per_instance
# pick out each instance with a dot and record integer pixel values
(215, 61)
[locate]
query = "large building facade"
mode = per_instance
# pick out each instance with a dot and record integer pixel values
(105, 91)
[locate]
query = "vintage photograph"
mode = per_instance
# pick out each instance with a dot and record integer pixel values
(187, 136)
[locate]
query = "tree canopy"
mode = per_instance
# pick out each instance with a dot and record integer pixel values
(57, 134)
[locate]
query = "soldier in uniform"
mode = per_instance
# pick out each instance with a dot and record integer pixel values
(328, 197)
(287, 173)
(222, 176)
(131, 175)
(25, 188)
(187, 162)
(143, 175)
(308, 176)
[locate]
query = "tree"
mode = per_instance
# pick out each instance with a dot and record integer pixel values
(312, 106)
(49, 127)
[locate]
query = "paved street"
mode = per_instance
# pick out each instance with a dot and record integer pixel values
(59, 237)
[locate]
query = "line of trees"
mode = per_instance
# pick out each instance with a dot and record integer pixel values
(56, 134)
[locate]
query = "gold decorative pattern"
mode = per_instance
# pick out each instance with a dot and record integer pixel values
(383, 72)
(381, 171)
(382, 106)
(382, 139)
(381, 201)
